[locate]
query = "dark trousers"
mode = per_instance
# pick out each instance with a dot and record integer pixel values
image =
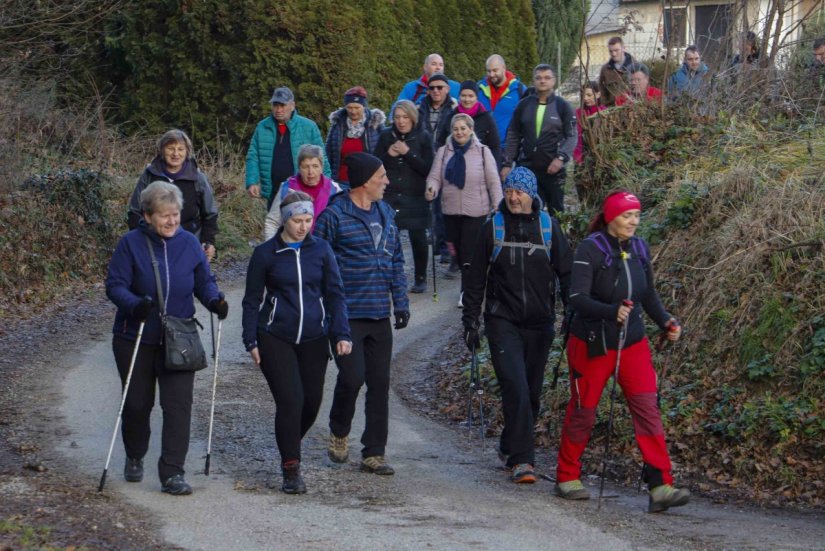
(420, 253)
(295, 374)
(439, 231)
(551, 190)
(175, 401)
(369, 362)
(463, 233)
(519, 357)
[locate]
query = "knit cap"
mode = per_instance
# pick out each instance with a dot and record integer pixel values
(356, 94)
(360, 168)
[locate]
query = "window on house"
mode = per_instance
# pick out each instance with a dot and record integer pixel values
(675, 27)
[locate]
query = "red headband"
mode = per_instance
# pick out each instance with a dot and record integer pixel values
(618, 203)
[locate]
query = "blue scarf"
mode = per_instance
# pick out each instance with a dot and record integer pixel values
(456, 170)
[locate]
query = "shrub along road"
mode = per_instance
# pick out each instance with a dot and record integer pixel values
(446, 494)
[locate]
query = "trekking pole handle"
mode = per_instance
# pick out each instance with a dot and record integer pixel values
(673, 326)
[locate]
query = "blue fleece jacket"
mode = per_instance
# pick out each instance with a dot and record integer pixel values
(182, 264)
(371, 274)
(304, 297)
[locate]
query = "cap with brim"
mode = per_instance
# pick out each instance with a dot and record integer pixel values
(282, 95)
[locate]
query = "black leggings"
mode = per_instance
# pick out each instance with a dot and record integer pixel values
(463, 233)
(369, 362)
(295, 374)
(175, 401)
(420, 252)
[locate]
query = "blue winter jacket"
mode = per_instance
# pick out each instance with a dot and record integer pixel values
(371, 275)
(304, 297)
(683, 82)
(416, 90)
(181, 262)
(302, 131)
(506, 106)
(337, 131)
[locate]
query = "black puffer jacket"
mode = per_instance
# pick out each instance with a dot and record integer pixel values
(200, 211)
(520, 284)
(408, 176)
(484, 127)
(598, 290)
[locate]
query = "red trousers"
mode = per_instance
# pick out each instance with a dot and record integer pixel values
(588, 377)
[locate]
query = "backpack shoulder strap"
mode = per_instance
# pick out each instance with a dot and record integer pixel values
(498, 234)
(284, 190)
(598, 239)
(639, 250)
(546, 232)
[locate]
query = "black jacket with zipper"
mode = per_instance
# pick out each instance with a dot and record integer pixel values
(598, 289)
(520, 284)
(558, 136)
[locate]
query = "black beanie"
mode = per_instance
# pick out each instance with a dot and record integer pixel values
(469, 85)
(360, 168)
(438, 76)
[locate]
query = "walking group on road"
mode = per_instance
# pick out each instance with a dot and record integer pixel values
(475, 170)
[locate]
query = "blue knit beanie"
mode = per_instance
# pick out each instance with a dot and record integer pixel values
(522, 179)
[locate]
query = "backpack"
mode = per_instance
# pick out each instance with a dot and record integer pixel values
(498, 236)
(598, 239)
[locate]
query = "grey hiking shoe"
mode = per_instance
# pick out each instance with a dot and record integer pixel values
(338, 449)
(293, 481)
(376, 465)
(523, 473)
(666, 496)
(572, 489)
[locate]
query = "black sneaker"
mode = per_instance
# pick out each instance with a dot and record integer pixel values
(176, 486)
(293, 481)
(419, 287)
(133, 471)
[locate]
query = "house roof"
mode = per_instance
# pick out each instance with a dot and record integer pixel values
(603, 17)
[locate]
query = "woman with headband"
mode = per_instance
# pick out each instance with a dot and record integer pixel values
(294, 298)
(612, 283)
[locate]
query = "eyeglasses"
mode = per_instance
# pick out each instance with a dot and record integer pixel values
(437, 87)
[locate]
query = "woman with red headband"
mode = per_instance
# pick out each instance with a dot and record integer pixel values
(612, 283)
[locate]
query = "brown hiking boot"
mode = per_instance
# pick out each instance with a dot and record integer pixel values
(666, 496)
(376, 465)
(338, 449)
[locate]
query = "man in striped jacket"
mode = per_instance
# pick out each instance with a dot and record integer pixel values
(363, 235)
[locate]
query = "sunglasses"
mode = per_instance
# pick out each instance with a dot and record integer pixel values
(437, 87)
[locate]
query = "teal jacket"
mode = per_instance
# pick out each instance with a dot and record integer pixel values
(259, 157)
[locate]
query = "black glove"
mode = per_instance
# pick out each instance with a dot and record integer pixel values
(402, 318)
(471, 337)
(143, 308)
(219, 306)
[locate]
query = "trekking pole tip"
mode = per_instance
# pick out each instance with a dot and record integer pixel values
(206, 466)
(102, 481)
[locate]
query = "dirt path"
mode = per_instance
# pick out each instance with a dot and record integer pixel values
(445, 495)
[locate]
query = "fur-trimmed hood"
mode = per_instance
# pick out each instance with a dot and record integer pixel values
(376, 118)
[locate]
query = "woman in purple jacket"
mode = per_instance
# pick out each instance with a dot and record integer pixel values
(294, 298)
(130, 284)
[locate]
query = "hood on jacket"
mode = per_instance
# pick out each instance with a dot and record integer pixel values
(376, 118)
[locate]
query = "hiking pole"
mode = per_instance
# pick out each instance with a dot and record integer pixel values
(212, 331)
(212, 407)
(432, 239)
(475, 388)
(122, 403)
(672, 325)
(622, 335)
(568, 319)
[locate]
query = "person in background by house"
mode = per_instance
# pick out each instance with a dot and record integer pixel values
(517, 286)
(367, 246)
(310, 179)
(297, 275)
(353, 128)
(484, 124)
(817, 66)
(690, 78)
(613, 76)
(640, 88)
(542, 137)
(406, 150)
(500, 92)
(175, 163)
(749, 51)
(416, 90)
(590, 106)
(273, 153)
(465, 175)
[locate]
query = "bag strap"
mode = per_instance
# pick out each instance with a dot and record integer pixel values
(157, 275)
(546, 225)
(498, 234)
